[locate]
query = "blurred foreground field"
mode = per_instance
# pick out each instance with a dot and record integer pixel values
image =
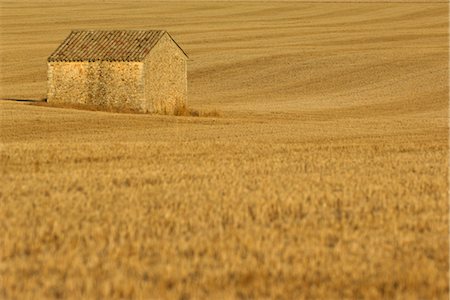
(325, 175)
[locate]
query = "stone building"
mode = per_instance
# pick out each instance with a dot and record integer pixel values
(121, 69)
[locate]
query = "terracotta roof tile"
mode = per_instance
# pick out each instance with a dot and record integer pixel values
(114, 45)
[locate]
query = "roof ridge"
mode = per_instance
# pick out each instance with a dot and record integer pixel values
(108, 45)
(112, 30)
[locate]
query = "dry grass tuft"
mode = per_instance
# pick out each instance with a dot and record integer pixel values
(189, 112)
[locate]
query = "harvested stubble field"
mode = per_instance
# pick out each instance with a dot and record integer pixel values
(325, 175)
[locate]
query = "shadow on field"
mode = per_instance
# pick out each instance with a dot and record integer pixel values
(25, 100)
(183, 111)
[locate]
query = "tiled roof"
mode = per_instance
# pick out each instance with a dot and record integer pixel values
(111, 45)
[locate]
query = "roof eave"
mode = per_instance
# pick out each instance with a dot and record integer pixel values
(185, 54)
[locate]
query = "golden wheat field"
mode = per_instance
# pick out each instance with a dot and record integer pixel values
(323, 176)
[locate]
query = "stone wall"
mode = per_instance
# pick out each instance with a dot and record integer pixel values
(159, 84)
(166, 76)
(118, 85)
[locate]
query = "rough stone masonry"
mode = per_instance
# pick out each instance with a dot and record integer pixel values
(144, 71)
